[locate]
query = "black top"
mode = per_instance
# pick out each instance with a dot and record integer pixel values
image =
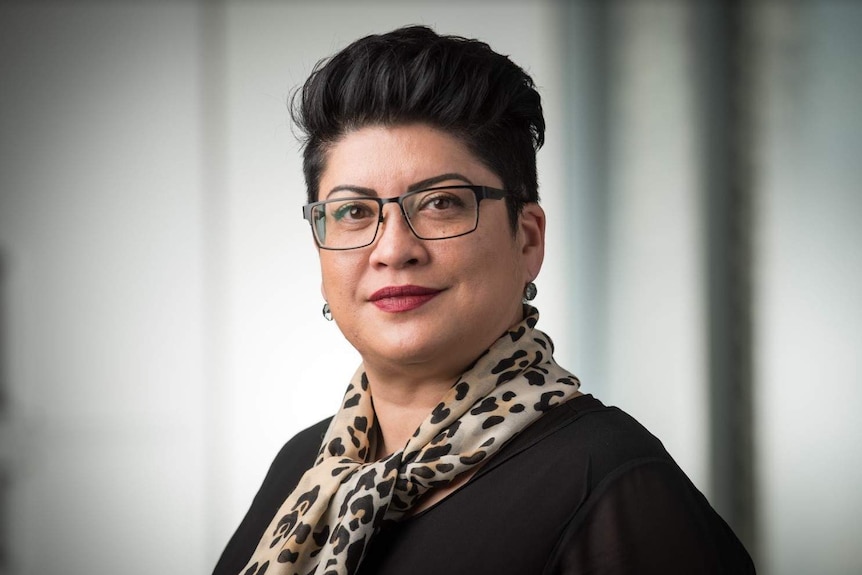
(585, 489)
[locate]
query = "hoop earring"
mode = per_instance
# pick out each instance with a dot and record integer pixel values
(530, 292)
(327, 313)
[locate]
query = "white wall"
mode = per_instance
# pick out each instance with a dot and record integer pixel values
(656, 333)
(101, 240)
(809, 288)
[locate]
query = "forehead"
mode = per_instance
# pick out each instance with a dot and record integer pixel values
(388, 159)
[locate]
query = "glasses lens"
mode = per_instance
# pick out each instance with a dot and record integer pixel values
(345, 224)
(442, 212)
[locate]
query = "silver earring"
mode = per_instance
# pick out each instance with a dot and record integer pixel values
(530, 292)
(327, 313)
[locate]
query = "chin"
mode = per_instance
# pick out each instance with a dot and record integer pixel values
(411, 348)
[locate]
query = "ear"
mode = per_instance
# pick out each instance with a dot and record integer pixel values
(323, 291)
(531, 240)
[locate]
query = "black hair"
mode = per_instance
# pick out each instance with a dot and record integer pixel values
(412, 74)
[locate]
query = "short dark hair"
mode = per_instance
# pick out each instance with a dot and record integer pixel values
(412, 74)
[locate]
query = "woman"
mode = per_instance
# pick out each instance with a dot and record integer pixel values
(461, 446)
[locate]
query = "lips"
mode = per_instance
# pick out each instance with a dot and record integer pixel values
(402, 298)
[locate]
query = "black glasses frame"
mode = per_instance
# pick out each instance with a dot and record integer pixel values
(481, 192)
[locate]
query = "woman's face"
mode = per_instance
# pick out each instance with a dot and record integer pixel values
(408, 304)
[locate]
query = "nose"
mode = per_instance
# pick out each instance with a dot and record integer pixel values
(396, 244)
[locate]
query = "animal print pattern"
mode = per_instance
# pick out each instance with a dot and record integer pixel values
(324, 526)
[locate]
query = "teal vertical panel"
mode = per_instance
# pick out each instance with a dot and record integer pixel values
(585, 84)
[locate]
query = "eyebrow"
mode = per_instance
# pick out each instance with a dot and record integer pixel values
(436, 180)
(420, 185)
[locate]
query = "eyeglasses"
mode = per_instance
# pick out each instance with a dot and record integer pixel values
(351, 222)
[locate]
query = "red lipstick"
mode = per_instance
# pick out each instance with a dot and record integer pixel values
(402, 298)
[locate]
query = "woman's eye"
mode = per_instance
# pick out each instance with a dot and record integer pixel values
(441, 202)
(352, 212)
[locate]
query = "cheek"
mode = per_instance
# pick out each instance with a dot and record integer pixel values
(339, 276)
(489, 266)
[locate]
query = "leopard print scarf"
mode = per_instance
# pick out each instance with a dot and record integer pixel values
(339, 503)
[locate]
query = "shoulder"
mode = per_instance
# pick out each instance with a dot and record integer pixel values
(585, 440)
(647, 517)
(291, 462)
(299, 453)
(631, 508)
(571, 450)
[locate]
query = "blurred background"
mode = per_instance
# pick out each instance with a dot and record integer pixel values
(160, 327)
